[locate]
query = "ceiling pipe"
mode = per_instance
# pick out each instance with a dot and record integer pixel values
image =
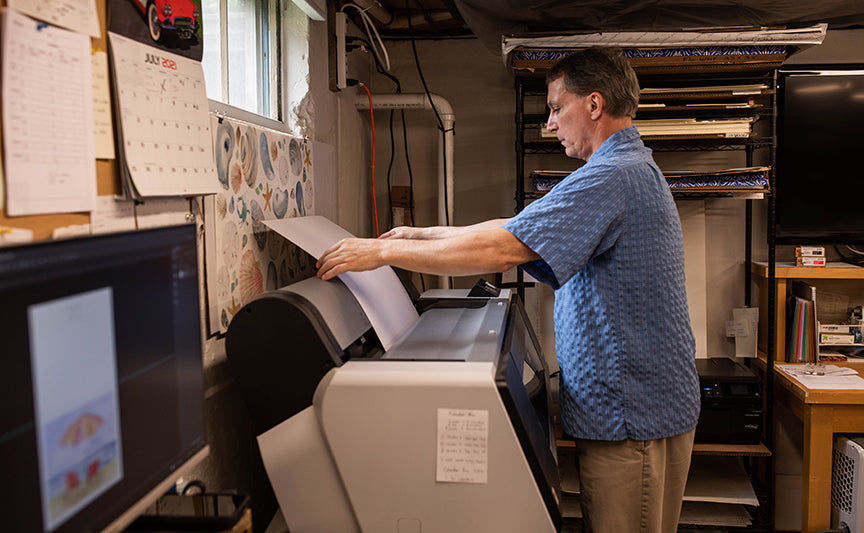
(445, 142)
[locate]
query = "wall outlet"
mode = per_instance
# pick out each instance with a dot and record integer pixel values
(341, 54)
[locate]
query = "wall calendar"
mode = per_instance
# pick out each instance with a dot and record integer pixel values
(163, 119)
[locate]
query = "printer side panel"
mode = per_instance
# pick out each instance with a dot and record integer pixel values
(381, 422)
(304, 479)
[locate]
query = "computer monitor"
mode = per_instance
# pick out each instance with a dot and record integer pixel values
(101, 384)
(820, 112)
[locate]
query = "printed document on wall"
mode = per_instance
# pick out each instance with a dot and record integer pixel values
(165, 143)
(47, 118)
(75, 15)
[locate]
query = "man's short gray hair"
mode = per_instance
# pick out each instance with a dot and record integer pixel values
(603, 70)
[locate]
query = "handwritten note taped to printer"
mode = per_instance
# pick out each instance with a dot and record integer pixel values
(379, 292)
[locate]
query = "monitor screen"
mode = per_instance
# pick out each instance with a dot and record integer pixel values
(820, 112)
(102, 381)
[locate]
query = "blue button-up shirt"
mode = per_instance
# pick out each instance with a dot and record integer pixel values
(610, 240)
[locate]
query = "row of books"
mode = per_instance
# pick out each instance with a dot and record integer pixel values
(808, 339)
(802, 345)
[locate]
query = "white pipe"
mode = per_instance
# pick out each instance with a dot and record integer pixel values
(445, 143)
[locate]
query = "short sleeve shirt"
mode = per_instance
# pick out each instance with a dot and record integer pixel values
(610, 241)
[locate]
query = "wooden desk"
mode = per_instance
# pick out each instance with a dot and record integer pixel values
(824, 413)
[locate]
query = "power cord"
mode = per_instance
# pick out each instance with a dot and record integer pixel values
(370, 30)
(440, 127)
(431, 103)
(396, 81)
(372, 119)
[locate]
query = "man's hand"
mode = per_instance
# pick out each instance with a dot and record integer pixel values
(355, 255)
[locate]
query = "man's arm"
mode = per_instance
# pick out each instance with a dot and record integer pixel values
(440, 232)
(475, 252)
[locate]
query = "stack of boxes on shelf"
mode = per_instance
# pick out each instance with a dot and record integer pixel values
(810, 256)
(840, 341)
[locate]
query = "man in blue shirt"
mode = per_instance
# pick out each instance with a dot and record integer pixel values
(608, 240)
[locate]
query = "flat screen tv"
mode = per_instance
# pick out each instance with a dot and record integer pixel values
(102, 385)
(819, 175)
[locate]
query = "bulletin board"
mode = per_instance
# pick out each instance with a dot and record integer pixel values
(107, 174)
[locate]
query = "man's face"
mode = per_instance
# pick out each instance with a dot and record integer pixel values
(570, 119)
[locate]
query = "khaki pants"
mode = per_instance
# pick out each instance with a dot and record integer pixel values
(633, 486)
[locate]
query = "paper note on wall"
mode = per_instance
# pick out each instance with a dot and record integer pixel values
(103, 129)
(379, 292)
(76, 15)
(463, 446)
(47, 118)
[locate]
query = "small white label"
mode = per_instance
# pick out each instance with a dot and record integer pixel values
(737, 328)
(463, 445)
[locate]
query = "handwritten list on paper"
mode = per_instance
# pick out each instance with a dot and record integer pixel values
(463, 445)
(76, 15)
(102, 126)
(47, 118)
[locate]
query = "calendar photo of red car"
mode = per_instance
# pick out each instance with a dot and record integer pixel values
(171, 25)
(177, 16)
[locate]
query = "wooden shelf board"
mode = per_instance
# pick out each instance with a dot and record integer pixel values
(756, 450)
(833, 270)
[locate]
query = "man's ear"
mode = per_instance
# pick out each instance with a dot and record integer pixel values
(596, 104)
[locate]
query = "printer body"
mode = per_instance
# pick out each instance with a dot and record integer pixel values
(447, 431)
(731, 403)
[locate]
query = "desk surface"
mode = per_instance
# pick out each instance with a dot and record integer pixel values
(823, 396)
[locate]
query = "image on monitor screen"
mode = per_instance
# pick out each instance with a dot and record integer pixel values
(103, 382)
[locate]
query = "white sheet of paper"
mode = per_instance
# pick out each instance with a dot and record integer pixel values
(157, 212)
(719, 479)
(112, 214)
(76, 15)
(796, 370)
(379, 292)
(103, 129)
(47, 118)
(463, 446)
(9, 235)
(832, 382)
(745, 345)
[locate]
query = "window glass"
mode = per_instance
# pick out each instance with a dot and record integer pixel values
(240, 63)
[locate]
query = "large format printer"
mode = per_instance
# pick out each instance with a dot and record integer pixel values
(448, 431)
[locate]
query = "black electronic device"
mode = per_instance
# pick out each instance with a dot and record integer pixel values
(484, 289)
(731, 402)
(820, 112)
(192, 512)
(102, 382)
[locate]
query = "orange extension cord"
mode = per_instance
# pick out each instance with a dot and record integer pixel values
(372, 119)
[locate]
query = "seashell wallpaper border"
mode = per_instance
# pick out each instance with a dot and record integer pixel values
(263, 175)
